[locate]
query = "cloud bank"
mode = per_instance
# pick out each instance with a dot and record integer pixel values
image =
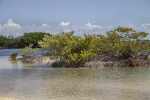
(14, 29)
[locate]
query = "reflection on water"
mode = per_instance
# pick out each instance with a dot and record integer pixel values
(41, 82)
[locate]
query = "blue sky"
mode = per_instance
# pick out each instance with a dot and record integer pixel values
(101, 15)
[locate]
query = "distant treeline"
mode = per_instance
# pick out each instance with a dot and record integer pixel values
(22, 41)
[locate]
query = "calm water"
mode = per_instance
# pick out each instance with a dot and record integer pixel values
(41, 82)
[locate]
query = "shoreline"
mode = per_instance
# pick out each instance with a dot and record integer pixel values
(7, 98)
(56, 63)
(37, 60)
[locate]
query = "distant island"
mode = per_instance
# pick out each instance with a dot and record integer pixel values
(120, 47)
(9, 42)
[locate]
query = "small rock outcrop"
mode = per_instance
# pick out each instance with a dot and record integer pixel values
(122, 63)
(36, 59)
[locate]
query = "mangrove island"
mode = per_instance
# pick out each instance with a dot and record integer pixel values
(121, 47)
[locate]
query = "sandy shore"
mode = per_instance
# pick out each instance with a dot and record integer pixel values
(6, 98)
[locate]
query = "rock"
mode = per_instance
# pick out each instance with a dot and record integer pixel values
(36, 59)
(132, 63)
(99, 64)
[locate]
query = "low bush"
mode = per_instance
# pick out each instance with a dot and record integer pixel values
(29, 51)
(14, 55)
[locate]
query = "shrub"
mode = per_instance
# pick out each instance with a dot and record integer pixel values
(14, 55)
(74, 50)
(29, 51)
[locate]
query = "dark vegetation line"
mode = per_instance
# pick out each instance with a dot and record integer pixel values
(21, 41)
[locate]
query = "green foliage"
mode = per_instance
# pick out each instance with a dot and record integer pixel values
(120, 43)
(14, 55)
(31, 38)
(22, 41)
(126, 42)
(29, 51)
(74, 50)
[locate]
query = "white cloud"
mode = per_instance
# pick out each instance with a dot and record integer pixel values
(143, 27)
(109, 26)
(10, 23)
(146, 26)
(45, 25)
(64, 23)
(130, 25)
(93, 26)
(11, 28)
(33, 25)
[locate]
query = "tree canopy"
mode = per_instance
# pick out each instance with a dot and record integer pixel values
(22, 41)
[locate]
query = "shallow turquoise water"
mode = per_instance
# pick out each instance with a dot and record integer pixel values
(41, 82)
